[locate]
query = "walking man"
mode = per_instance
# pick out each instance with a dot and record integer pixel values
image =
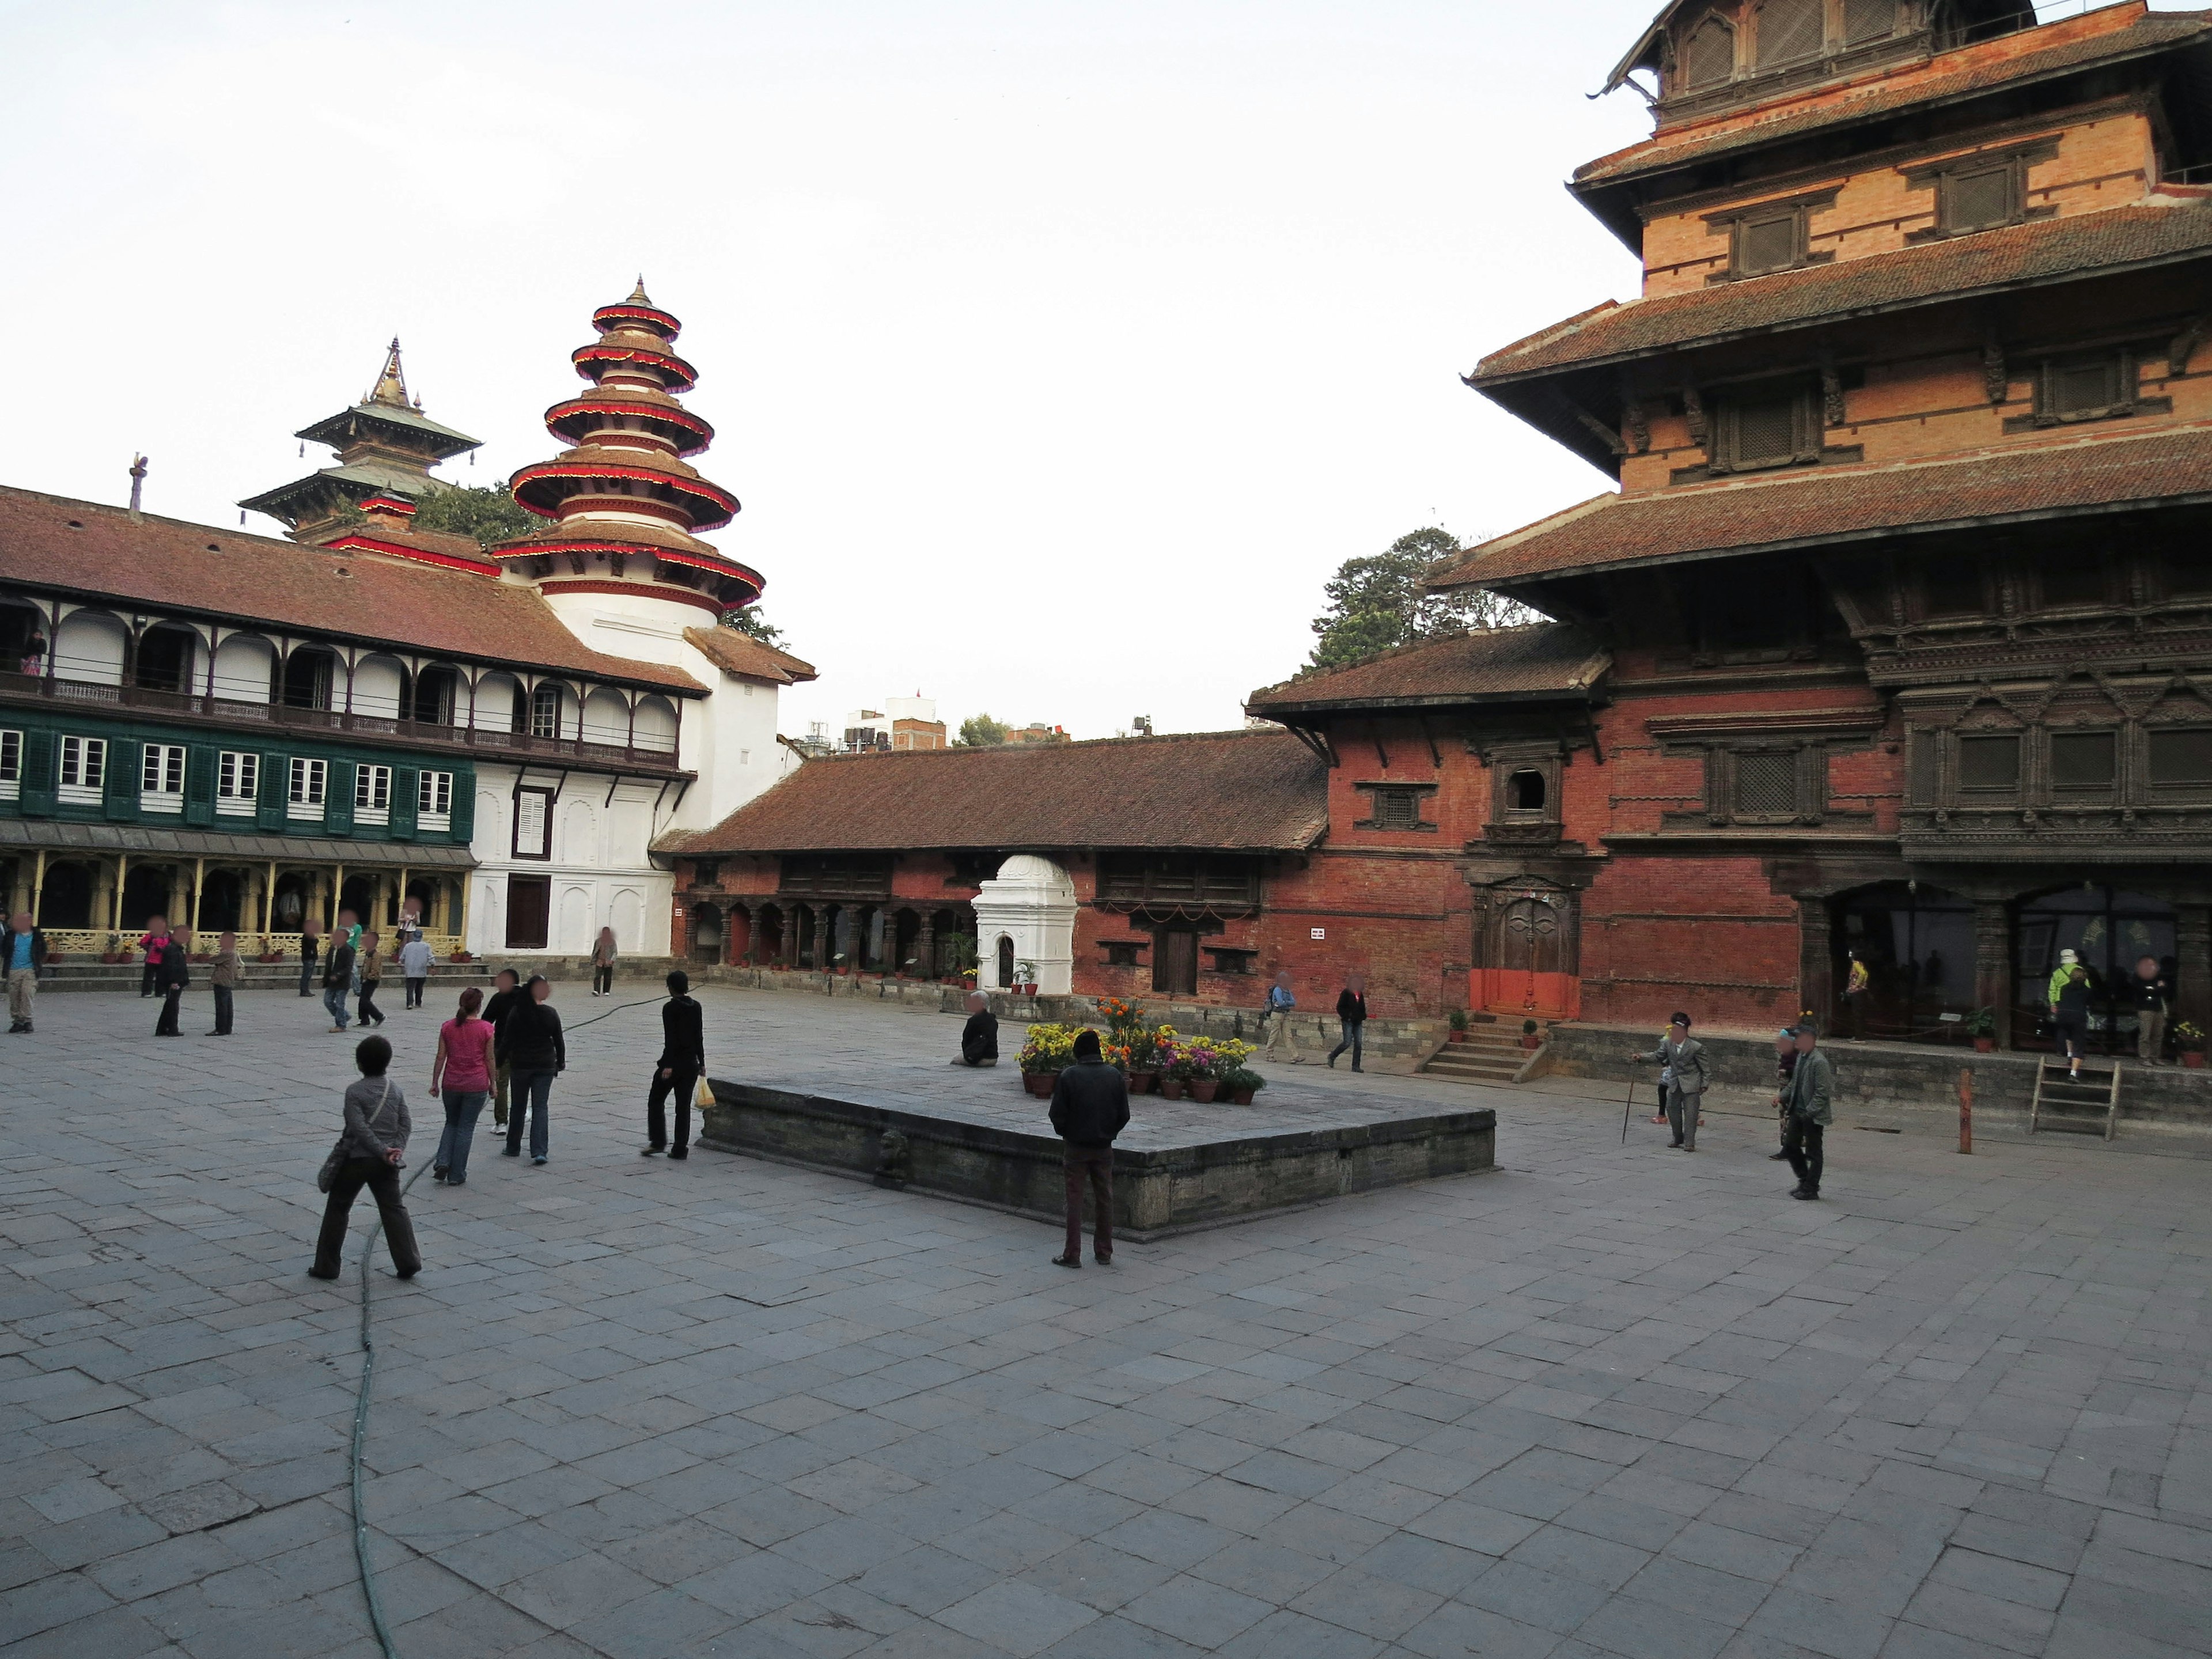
(310, 948)
(979, 1037)
(1280, 1003)
(529, 1042)
(1090, 1107)
(414, 957)
(223, 975)
(369, 963)
(170, 980)
(1681, 1060)
(337, 980)
(1785, 1067)
(23, 947)
(1351, 1019)
(505, 994)
(1812, 1088)
(2153, 995)
(683, 1062)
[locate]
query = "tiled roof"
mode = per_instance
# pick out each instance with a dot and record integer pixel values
(83, 548)
(1230, 791)
(2046, 250)
(1542, 659)
(1977, 70)
(1837, 503)
(748, 658)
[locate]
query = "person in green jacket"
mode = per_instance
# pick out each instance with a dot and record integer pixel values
(2059, 976)
(1810, 1106)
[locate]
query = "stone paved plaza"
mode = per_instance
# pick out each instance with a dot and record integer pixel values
(1603, 1400)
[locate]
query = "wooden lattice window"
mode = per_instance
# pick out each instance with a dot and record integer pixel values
(1980, 199)
(2181, 754)
(1868, 20)
(1774, 243)
(1397, 809)
(1766, 426)
(1708, 55)
(1791, 30)
(1922, 769)
(2087, 388)
(1990, 764)
(1766, 784)
(2084, 760)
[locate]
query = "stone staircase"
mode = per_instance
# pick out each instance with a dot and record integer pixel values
(1491, 1054)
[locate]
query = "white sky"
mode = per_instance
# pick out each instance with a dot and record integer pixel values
(1058, 352)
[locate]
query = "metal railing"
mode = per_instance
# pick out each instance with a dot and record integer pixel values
(198, 706)
(81, 945)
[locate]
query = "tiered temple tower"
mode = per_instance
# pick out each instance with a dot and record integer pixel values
(621, 547)
(387, 447)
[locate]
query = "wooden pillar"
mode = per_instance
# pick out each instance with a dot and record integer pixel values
(199, 888)
(457, 907)
(268, 906)
(1993, 964)
(1816, 971)
(39, 885)
(925, 944)
(2192, 949)
(337, 894)
(115, 907)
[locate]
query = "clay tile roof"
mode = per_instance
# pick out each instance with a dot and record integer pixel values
(2049, 250)
(200, 570)
(1226, 791)
(2163, 466)
(748, 658)
(1542, 659)
(1975, 69)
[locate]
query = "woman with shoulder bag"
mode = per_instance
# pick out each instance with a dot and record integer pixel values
(370, 1153)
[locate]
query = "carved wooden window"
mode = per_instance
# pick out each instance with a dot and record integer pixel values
(2068, 389)
(1789, 31)
(1868, 20)
(1979, 199)
(1766, 784)
(1393, 806)
(1922, 768)
(2084, 760)
(1990, 764)
(2181, 754)
(1525, 792)
(1708, 55)
(1766, 426)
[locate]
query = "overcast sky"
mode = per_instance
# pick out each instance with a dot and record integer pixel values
(1058, 352)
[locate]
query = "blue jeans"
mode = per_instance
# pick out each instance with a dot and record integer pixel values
(1352, 1029)
(462, 1106)
(334, 998)
(529, 1095)
(306, 974)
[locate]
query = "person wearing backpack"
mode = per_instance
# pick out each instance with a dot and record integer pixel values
(370, 1153)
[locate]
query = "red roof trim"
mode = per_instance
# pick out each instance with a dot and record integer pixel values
(600, 352)
(720, 566)
(715, 493)
(671, 591)
(651, 313)
(683, 418)
(353, 540)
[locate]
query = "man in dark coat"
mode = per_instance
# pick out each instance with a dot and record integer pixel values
(683, 1061)
(170, 980)
(1351, 1019)
(1090, 1107)
(507, 991)
(979, 1038)
(1811, 1106)
(337, 980)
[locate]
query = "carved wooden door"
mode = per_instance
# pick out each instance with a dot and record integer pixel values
(1532, 960)
(1531, 937)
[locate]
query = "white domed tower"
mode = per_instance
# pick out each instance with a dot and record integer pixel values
(624, 505)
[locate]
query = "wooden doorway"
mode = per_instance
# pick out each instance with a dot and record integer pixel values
(529, 908)
(1175, 962)
(1530, 962)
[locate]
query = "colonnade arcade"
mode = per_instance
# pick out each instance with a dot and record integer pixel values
(933, 943)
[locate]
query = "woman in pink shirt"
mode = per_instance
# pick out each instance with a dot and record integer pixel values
(461, 1075)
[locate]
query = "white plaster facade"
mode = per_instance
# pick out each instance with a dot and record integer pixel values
(1030, 904)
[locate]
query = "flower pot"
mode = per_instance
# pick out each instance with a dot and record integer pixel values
(1203, 1090)
(2193, 1058)
(1459, 1037)
(1038, 1084)
(1985, 1045)
(111, 956)
(1172, 1088)
(1531, 1041)
(1142, 1083)
(1240, 1097)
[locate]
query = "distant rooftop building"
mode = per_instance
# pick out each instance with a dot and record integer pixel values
(1038, 731)
(901, 723)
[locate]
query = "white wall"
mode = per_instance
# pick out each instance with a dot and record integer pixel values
(601, 871)
(243, 666)
(88, 645)
(375, 687)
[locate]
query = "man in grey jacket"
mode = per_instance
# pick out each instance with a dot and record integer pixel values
(1812, 1090)
(1681, 1060)
(374, 1145)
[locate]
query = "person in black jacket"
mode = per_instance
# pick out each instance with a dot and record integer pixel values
(979, 1037)
(1351, 1019)
(337, 980)
(506, 992)
(531, 1046)
(683, 1059)
(23, 958)
(170, 980)
(1090, 1107)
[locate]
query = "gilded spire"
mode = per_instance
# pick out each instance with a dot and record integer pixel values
(637, 295)
(391, 385)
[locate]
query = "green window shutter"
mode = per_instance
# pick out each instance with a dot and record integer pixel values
(122, 779)
(37, 788)
(200, 761)
(276, 785)
(337, 803)
(403, 787)
(463, 829)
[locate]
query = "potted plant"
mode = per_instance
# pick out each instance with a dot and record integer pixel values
(1459, 1025)
(1044, 1056)
(269, 953)
(1530, 1037)
(1243, 1085)
(114, 953)
(1174, 1083)
(1195, 1067)
(461, 956)
(1982, 1026)
(837, 964)
(1026, 979)
(958, 953)
(2189, 1038)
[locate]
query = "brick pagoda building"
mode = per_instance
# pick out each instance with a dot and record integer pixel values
(1895, 638)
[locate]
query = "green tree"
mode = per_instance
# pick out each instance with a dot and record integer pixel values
(485, 512)
(1377, 603)
(981, 732)
(754, 626)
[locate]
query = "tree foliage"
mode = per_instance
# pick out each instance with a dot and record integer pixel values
(1377, 603)
(485, 512)
(749, 622)
(981, 732)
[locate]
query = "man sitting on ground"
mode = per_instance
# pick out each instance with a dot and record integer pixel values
(979, 1038)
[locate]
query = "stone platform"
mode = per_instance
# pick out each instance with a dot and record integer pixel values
(978, 1138)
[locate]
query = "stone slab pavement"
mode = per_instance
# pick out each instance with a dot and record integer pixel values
(1606, 1399)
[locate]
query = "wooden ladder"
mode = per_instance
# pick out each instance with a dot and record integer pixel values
(2088, 1107)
